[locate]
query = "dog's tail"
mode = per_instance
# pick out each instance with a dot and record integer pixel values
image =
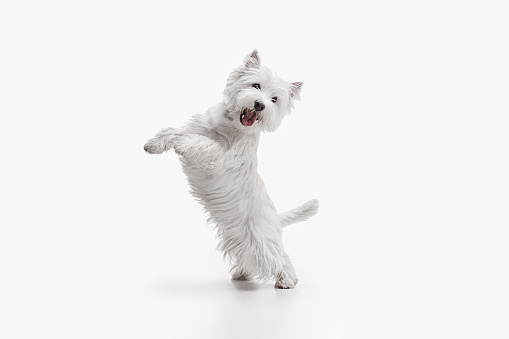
(298, 214)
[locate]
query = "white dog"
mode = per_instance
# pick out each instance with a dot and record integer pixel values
(218, 154)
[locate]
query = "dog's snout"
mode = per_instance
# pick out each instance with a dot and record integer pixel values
(259, 106)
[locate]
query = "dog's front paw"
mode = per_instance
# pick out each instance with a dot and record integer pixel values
(163, 141)
(286, 281)
(155, 146)
(187, 146)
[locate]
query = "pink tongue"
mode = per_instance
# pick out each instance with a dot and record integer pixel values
(249, 118)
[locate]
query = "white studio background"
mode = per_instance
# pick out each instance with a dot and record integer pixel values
(402, 134)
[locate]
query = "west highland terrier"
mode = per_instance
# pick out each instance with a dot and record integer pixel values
(218, 154)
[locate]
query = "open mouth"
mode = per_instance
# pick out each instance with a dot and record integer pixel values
(248, 117)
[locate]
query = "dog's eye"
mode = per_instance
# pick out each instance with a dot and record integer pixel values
(257, 86)
(274, 99)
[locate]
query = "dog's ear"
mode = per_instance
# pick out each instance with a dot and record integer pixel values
(295, 88)
(252, 60)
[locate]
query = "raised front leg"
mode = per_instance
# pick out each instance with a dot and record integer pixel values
(198, 148)
(163, 141)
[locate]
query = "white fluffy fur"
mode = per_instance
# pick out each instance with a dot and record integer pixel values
(218, 155)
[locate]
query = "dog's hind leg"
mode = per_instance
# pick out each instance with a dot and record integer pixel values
(163, 141)
(287, 278)
(241, 275)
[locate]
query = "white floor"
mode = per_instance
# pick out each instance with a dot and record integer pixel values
(138, 261)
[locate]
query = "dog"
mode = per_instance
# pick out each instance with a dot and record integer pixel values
(218, 153)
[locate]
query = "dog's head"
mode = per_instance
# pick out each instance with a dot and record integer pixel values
(256, 98)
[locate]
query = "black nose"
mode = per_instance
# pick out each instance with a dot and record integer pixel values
(259, 106)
